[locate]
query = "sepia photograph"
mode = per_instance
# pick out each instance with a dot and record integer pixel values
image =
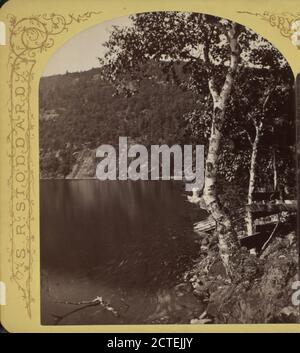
(167, 156)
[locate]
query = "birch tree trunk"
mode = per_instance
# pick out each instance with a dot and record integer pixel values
(228, 241)
(258, 123)
(275, 177)
(252, 176)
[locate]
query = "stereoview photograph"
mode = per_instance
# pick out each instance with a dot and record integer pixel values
(167, 175)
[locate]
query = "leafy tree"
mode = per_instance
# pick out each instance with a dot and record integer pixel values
(210, 49)
(213, 51)
(265, 103)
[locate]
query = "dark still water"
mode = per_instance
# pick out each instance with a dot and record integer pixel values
(127, 242)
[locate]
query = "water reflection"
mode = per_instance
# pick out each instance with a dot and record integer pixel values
(127, 241)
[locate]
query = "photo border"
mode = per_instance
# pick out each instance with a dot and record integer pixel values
(32, 39)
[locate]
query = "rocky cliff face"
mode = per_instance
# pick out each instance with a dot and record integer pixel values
(84, 166)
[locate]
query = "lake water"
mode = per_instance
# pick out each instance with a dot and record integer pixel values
(127, 242)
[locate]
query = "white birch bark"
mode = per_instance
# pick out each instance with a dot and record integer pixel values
(228, 241)
(258, 123)
(252, 176)
(275, 176)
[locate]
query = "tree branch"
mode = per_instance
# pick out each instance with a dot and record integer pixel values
(270, 91)
(98, 301)
(245, 132)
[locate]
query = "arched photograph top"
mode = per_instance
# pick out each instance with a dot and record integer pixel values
(167, 175)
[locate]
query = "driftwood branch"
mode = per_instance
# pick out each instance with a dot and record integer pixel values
(98, 301)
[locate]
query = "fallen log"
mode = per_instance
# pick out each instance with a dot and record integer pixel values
(205, 225)
(264, 209)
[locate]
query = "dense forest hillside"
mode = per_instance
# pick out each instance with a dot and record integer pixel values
(80, 111)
